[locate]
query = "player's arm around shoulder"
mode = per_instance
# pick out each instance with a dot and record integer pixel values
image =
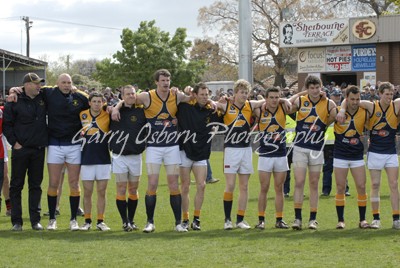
(182, 97)
(295, 105)
(367, 105)
(143, 98)
(256, 104)
(332, 112)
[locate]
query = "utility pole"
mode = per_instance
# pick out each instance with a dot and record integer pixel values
(245, 41)
(27, 26)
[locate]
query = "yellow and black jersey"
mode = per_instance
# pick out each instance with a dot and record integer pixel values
(237, 119)
(312, 120)
(348, 145)
(162, 117)
(383, 125)
(272, 125)
(95, 139)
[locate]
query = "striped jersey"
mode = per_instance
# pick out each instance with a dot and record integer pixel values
(162, 117)
(237, 119)
(312, 120)
(95, 143)
(272, 124)
(348, 145)
(383, 125)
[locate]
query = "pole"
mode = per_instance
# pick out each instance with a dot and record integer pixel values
(27, 26)
(245, 41)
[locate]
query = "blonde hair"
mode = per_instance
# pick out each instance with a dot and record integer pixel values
(241, 84)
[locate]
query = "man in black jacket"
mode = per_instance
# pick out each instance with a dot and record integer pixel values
(64, 126)
(127, 142)
(195, 127)
(26, 130)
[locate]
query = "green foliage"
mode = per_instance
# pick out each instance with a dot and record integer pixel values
(396, 7)
(145, 51)
(211, 247)
(80, 70)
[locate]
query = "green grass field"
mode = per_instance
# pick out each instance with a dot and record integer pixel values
(211, 247)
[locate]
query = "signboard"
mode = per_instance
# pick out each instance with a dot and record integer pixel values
(314, 33)
(338, 59)
(370, 77)
(311, 60)
(363, 58)
(364, 29)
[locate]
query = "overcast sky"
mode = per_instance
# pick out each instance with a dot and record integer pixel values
(54, 39)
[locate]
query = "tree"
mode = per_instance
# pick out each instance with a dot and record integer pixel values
(84, 67)
(266, 17)
(218, 67)
(145, 51)
(364, 7)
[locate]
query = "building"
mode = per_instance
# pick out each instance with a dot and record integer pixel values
(14, 66)
(352, 50)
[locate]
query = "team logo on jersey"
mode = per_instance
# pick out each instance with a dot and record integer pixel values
(240, 123)
(273, 128)
(312, 127)
(306, 103)
(380, 126)
(41, 103)
(350, 133)
(75, 103)
(276, 137)
(92, 131)
(310, 119)
(378, 114)
(383, 133)
(167, 123)
(305, 110)
(163, 116)
(84, 116)
(133, 118)
(354, 141)
(266, 114)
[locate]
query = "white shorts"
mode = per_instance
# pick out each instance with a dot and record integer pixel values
(308, 156)
(186, 162)
(95, 172)
(273, 164)
(381, 161)
(70, 154)
(238, 160)
(131, 164)
(169, 155)
(341, 163)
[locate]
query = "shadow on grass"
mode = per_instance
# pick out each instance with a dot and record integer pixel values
(215, 234)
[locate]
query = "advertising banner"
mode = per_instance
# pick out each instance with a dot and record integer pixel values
(311, 60)
(363, 57)
(314, 33)
(338, 59)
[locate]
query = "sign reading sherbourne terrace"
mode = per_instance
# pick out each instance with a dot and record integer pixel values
(314, 33)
